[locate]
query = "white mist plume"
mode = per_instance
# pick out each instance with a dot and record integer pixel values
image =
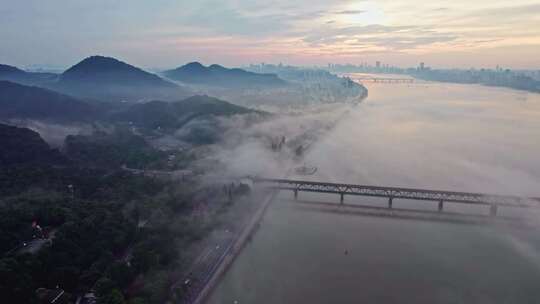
(54, 134)
(246, 147)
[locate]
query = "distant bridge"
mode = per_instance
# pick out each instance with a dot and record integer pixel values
(386, 80)
(391, 193)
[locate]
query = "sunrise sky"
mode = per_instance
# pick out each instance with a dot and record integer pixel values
(165, 33)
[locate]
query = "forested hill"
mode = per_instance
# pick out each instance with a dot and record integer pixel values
(27, 102)
(173, 115)
(21, 146)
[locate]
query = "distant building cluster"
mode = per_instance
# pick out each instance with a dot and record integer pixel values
(378, 67)
(314, 84)
(528, 80)
(492, 77)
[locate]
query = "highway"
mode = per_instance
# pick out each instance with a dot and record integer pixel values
(219, 254)
(205, 266)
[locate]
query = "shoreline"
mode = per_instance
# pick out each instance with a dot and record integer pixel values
(479, 83)
(234, 251)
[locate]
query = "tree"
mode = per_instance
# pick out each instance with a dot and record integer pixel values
(104, 286)
(156, 287)
(113, 297)
(143, 259)
(15, 282)
(138, 300)
(121, 274)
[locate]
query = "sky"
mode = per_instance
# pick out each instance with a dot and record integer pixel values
(168, 33)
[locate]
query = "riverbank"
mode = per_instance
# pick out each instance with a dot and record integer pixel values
(230, 255)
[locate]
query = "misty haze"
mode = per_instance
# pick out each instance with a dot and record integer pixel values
(285, 152)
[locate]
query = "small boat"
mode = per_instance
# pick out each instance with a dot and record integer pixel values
(303, 170)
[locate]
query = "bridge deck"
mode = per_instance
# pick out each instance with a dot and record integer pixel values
(404, 193)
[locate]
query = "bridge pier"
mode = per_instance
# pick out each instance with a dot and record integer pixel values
(295, 194)
(493, 210)
(441, 205)
(341, 198)
(390, 199)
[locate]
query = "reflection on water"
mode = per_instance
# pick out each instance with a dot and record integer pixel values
(439, 136)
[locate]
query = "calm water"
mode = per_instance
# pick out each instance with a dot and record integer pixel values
(428, 135)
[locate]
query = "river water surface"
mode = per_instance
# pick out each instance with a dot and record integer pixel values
(424, 135)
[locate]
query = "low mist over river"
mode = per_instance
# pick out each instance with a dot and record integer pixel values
(442, 136)
(424, 135)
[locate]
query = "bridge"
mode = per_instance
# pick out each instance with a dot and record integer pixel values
(391, 193)
(386, 80)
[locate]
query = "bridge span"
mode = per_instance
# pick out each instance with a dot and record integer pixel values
(385, 80)
(391, 193)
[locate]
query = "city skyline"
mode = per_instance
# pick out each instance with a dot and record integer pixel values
(166, 33)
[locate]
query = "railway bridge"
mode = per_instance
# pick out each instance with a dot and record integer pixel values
(391, 193)
(386, 80)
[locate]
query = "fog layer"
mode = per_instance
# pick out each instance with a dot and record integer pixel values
(434, 136)
(452, 137)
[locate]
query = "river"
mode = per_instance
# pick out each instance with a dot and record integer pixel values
(425, 135)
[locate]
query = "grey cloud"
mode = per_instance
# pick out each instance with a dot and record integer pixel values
(349, 12)
(376, 35)
(496, 16)
(326, 35)
(231, 21)
(376, 29)
(403, 43)
(487, 40)
(223, 18)
(531, 9)
(305, 15)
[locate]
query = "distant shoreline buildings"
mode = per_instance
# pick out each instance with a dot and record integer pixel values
(528, 80)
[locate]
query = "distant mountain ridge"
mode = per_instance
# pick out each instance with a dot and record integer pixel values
(29, 102)
(106, 78)
(105, 70)
(100, 78)
(14, 74)
(217, 75)
(8, 69)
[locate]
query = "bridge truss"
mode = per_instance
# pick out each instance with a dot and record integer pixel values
(493, 201)
(385, 80)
